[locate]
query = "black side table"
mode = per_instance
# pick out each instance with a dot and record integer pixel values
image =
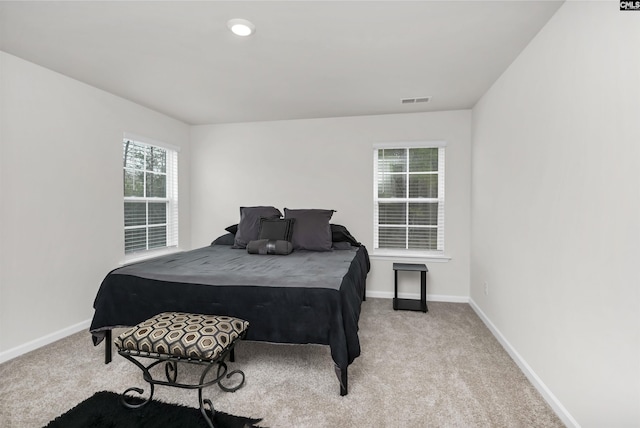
(411, 304)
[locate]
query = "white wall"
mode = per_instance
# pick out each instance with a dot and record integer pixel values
(556, 211)
(328, 163)
(61, 193)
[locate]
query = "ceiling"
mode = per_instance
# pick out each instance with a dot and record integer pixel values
(307, 59)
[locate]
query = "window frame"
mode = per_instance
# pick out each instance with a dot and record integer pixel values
(170, 198)
(440, 199)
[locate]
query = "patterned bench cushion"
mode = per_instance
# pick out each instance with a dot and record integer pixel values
(184, 335)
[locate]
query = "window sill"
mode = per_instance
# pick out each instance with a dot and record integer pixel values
(409, 255)
(146, 255)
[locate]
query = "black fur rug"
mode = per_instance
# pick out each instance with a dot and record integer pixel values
(104, 410)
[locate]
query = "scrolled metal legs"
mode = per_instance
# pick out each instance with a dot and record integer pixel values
(223, 368)
(206, 402)
(126, 400)
(171, 373)
(131, 405)
(203, 403)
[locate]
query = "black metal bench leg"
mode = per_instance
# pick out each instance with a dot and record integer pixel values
(171, 372)
(206, 404)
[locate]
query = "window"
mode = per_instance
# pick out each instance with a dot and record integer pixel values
(150, 195)
(409, 196)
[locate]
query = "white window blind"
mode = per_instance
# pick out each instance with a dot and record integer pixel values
(150, 195)
(409, 196)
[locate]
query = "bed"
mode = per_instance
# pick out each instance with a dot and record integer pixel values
(306, 297)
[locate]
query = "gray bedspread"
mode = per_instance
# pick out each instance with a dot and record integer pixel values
(222, 265)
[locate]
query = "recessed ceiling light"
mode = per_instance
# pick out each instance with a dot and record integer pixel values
(241, 27)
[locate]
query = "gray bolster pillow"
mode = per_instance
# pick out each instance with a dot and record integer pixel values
(269, 246)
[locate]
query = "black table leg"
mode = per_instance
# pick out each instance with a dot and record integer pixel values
(395, 290)
(423, 290)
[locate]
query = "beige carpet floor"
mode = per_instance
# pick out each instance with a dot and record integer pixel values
(439, 369)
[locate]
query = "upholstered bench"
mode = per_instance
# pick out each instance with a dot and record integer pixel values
(173, 337)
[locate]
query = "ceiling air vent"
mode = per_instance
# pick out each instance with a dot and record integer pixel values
(415, 100)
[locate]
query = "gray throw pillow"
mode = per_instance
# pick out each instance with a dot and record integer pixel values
(249, 225)
(311, 231)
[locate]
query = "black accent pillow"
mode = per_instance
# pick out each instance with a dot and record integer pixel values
(312, 231)
(278, 229)
(226, 239)
(232, 229)
(340, 233)
(249, 225)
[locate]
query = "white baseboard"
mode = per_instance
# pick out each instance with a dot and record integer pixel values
(42, 341)
(546, 393)
(430, 297)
